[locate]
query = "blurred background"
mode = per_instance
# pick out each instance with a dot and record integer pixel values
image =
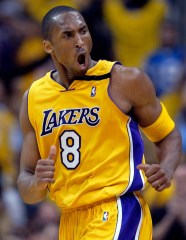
(148, 34)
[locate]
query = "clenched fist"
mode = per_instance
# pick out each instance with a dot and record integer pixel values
(158, 177)
(44, 171)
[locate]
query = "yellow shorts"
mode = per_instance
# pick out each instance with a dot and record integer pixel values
(124, 218)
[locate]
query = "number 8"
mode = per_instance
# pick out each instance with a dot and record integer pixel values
(70, 144)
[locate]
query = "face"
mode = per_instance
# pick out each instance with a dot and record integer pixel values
(70, 44)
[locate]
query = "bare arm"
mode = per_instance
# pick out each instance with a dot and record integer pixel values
(168, 152)
(136, 96)
(35, 173)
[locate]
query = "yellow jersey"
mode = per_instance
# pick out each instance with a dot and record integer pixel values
(98, 146)
(135, 32)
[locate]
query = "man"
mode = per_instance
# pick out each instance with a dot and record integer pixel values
(82, 141)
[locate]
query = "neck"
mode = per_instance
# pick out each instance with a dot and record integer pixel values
(65, 77)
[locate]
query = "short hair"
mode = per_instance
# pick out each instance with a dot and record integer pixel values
(48, 21)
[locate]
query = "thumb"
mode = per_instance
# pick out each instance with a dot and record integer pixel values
(52, 152)
(143, 167)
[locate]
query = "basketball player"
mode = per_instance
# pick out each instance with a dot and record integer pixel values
(81, 124)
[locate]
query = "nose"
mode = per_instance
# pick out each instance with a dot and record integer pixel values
(79, 42)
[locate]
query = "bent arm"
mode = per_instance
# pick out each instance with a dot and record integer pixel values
(29, 190)
(148, 111)
(136, 97)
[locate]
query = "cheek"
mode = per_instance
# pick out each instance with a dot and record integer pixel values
(62, 55)
(89, 44)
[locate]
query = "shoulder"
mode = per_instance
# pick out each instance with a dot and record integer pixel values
(126, 72)
(130, 77)
(40, 81)
(131, 84)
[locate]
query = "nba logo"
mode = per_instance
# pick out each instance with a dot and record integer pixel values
(105, 216)
(93, 91)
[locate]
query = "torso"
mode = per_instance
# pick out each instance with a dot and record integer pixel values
(98, 145)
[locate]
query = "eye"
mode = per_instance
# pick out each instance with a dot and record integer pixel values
(83, 30)
(67, 34)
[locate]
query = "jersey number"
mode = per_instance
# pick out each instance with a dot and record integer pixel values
(70, 143)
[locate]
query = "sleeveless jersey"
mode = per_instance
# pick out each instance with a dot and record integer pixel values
(98, 146)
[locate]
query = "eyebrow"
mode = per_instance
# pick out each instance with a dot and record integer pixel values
(67, 29)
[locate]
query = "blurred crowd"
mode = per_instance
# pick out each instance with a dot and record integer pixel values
(149, 34)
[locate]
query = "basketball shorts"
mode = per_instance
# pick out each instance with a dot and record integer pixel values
(124, 218)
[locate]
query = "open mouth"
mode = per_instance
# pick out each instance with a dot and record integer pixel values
(81, 59)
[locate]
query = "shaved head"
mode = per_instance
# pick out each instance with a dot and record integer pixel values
(49, 19)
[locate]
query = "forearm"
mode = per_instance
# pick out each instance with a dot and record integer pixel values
(168, 152)
(30, 193)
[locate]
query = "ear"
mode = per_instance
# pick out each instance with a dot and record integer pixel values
(47, 46)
